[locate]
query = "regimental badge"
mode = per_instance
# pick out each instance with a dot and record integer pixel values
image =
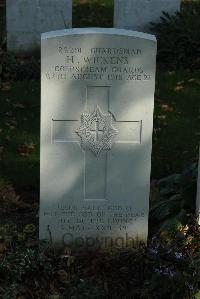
(96, 131)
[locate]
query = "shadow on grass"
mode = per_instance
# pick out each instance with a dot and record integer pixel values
(176, 122)
(20, 126)
(175, 138)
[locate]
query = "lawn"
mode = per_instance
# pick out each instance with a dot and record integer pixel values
(175, 138)
(176, 122)
(20, 127)
(176, 116)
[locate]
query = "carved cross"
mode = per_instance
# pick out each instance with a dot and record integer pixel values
(91, 136)
(97, 130)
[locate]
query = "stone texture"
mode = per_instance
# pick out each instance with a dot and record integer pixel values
(137, 15)
(27, 19)
(96, 136)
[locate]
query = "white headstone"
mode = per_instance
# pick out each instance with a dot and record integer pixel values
(96, 136)
(27, 19)
(137, 14)
(198, 192)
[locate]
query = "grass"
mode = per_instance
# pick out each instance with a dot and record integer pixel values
(175, 144)
(20, 112)
(176, 123)
(175, 138)
(176, 118)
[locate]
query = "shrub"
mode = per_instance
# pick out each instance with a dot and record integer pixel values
(173, 199)
(160, 270)
(179, 38)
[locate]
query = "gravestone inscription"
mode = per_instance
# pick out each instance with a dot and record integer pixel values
(96, 131)
(27, 19)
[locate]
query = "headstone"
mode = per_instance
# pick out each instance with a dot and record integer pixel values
(27, 19)
(198, 192)
(137, 15)
(96, 136)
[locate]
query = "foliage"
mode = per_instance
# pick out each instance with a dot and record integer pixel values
(173, 198)
(160, 270)
(176, 122)
(16, 68)
(11, 236)
(169, 267)
(179, 38)
(21, 268)
(19, 130)
(175, 139)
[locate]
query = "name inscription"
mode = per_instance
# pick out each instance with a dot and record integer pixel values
(97, 64)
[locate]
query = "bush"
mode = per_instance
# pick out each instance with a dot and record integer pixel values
(179, 38)
(173, 199)
(166, 268)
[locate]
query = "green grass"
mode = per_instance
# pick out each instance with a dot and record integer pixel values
(176, 123)
(175, 139)
(20, 113)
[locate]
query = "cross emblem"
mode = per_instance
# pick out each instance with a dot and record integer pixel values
(97, 130)
(97, 133)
